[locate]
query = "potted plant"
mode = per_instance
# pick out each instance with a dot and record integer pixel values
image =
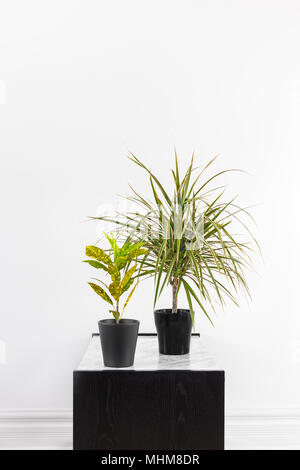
(191, 245)
(118, 336)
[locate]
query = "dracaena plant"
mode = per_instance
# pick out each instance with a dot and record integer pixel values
(190, 237)
(117, 265)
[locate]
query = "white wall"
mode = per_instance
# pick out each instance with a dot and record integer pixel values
(86, 81)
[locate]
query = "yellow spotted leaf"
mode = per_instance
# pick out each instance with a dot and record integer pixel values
(121, 261)
(97, 253)
(115, 290)
(127, 285)
(101, 292)
(114, 272)
(129, 296)
(128, 276)
(137, 252)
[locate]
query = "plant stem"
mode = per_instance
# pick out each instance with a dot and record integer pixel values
(174, 292)
(118, 313)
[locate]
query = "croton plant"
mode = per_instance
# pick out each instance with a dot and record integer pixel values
(118, 265)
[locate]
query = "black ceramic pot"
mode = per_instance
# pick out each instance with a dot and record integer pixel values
(118, 342)
(173, 331)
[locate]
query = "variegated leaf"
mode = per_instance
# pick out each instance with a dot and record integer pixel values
(129, 297)
(136, 253)
(97, 253)
(121, 261)
(136, 246)
(114, 314)
(101, 292)
(124, 249)
(115, 290)
(128, 276)
(114, 272)
(127, 285)
(95, 264)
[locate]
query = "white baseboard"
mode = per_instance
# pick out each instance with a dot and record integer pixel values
(244, 429)
(262, 429)
(36, 429)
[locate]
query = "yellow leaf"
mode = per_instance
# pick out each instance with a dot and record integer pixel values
(115, 290)
(101, 292)
(97, 253)
(128, 276)
(129, 296)
(114, 272)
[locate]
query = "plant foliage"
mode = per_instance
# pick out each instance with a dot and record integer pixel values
(189, 236)
(117, 266)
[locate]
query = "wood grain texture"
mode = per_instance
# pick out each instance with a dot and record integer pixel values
(157, 410)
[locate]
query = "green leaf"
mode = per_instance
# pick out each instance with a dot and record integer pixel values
(191, 291)
(125, 248)
(157, 282)
(114, 272)
(197, 272)
(177, 178)
(101, 282)
(115, 290)
(114, 314)
(113, 243)
(138, 162)
(187, 178)
(196, 180)
(127, 285)
(129, 296)
(128, 276)
(157, 200)
(135, 246)
(167, 276)
(97, 253)
(137, 252)
(101, 292)
(218, 254)
(95, 264)
(188, 296)
(121, 262)
(215, 176)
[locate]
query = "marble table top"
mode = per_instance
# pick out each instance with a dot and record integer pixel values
(147, 357)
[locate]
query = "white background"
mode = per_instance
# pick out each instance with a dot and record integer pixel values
(86, 81)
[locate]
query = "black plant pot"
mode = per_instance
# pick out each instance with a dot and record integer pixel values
(118, 342)
(173, 331)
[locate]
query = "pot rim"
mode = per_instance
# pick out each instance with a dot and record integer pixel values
(123, 322)
(168, 311)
